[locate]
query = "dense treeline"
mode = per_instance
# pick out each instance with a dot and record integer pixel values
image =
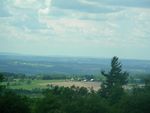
(75, 100)
(111, 98)
(11, 76)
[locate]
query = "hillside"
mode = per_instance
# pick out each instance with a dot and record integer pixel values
(66, 65)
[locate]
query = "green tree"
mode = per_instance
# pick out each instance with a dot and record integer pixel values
(112, 87)
(1, 85)
(13, 103)
(139, 103)
(49, 104)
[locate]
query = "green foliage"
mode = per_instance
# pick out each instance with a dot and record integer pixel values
(147, 83)
(71, 100)
(13, 103)
(2, 87)
(115, 79)
(49, 104)
(139, 103)
(1, 77)
(77, 99)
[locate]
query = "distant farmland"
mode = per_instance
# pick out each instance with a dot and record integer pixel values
(88, 85)
(43, 84)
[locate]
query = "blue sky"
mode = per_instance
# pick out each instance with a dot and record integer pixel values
(90, 28)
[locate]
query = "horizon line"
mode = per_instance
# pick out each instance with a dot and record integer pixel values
(68, 56)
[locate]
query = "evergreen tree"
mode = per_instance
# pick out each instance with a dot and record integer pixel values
(112, 87)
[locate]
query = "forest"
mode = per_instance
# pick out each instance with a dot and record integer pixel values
(113, 96)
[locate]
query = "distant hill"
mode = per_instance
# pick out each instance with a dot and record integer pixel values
(16, 63)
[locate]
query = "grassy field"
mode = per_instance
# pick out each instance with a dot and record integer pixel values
(29, 84)
(32, 84)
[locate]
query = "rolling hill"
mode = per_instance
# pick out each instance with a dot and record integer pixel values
(16, 63)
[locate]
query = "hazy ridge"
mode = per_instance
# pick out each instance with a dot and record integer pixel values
(27, 64)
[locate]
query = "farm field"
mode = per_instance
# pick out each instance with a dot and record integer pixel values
(88, 85)
(43, 84)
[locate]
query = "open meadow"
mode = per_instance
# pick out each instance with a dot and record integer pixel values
(43, 84)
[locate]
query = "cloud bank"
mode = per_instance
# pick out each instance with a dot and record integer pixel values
(97, 28)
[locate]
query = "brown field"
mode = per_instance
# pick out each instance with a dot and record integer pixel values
(88, 85)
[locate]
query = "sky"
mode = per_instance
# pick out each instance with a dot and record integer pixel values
(86, 28)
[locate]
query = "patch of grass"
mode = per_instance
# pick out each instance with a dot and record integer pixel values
(32, 85)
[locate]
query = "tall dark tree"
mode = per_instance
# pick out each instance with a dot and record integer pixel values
(115, 79)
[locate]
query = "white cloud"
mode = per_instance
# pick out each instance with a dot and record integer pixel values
(46, 9)
(43, 22)
(24, 3)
